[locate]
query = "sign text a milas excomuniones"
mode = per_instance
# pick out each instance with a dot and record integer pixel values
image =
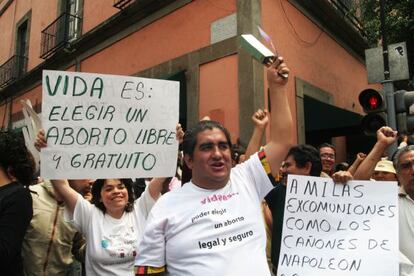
(338, 229)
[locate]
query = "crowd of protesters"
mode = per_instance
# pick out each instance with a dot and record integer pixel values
(174, 226)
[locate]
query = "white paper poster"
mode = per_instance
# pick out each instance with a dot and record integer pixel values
(108, 126)
(335, 229)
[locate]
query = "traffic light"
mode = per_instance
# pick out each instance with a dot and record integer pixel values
(372, 101)
(404, 108)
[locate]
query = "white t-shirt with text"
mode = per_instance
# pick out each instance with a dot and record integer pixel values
(111, 244)
(194, 231)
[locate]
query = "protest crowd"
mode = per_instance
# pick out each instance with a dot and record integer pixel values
(223, 213)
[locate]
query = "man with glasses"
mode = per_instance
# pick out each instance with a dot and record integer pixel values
(327, 154)
(300, 160)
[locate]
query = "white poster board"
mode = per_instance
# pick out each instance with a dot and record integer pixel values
(108, 126)
(335, 229)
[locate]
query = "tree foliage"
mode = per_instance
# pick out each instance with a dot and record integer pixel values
(399, 20)
(399, 23)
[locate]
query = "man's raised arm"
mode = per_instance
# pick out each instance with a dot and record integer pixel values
(385, 137)
(281, 122)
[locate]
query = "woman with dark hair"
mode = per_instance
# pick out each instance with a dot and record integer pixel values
(97, 198)
(17, 169)
(113, 224)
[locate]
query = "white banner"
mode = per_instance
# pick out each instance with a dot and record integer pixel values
(335, 229)
(108, 126)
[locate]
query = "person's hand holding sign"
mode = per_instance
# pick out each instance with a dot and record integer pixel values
(342, 177)
(179, 133)
(40, 140)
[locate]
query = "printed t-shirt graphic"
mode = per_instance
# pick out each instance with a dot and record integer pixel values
(194, 231)
(112, 244)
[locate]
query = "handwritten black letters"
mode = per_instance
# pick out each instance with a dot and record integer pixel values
(104, 125)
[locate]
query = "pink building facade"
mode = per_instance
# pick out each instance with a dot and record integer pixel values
(197, 43)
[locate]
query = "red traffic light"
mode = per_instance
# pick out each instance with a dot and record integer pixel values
(371, 100)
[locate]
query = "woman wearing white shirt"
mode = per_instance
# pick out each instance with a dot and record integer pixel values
(112, 225)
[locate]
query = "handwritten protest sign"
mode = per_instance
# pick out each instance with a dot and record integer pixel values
(335, 229)
(107, 126)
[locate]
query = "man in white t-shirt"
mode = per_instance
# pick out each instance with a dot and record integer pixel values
(213, 225)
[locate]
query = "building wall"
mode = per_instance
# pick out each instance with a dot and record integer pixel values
(316, 57)
(7, 33)
(165, 39)
(183, 37)
(313, 55)
(34, 95)
(219, 97)
(95, 12)
(38, 21)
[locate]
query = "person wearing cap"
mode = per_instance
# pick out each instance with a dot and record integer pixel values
(384, 171)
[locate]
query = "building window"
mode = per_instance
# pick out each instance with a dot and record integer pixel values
(16, 66)
(22, 48)
(64, 30)
(72, 22)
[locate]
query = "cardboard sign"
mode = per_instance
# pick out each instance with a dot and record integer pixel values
(107, 126)
(336, 229)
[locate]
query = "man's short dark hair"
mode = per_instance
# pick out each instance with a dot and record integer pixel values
(303, 154)
(96, 194)
(190, 136)
(326, 145)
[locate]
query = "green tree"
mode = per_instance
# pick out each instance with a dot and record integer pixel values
(399, 24)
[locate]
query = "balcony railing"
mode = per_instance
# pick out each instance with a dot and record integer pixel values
(12, 69)
(59, 34)
(122, 4)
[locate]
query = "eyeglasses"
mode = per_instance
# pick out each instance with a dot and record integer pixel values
(328, 156)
